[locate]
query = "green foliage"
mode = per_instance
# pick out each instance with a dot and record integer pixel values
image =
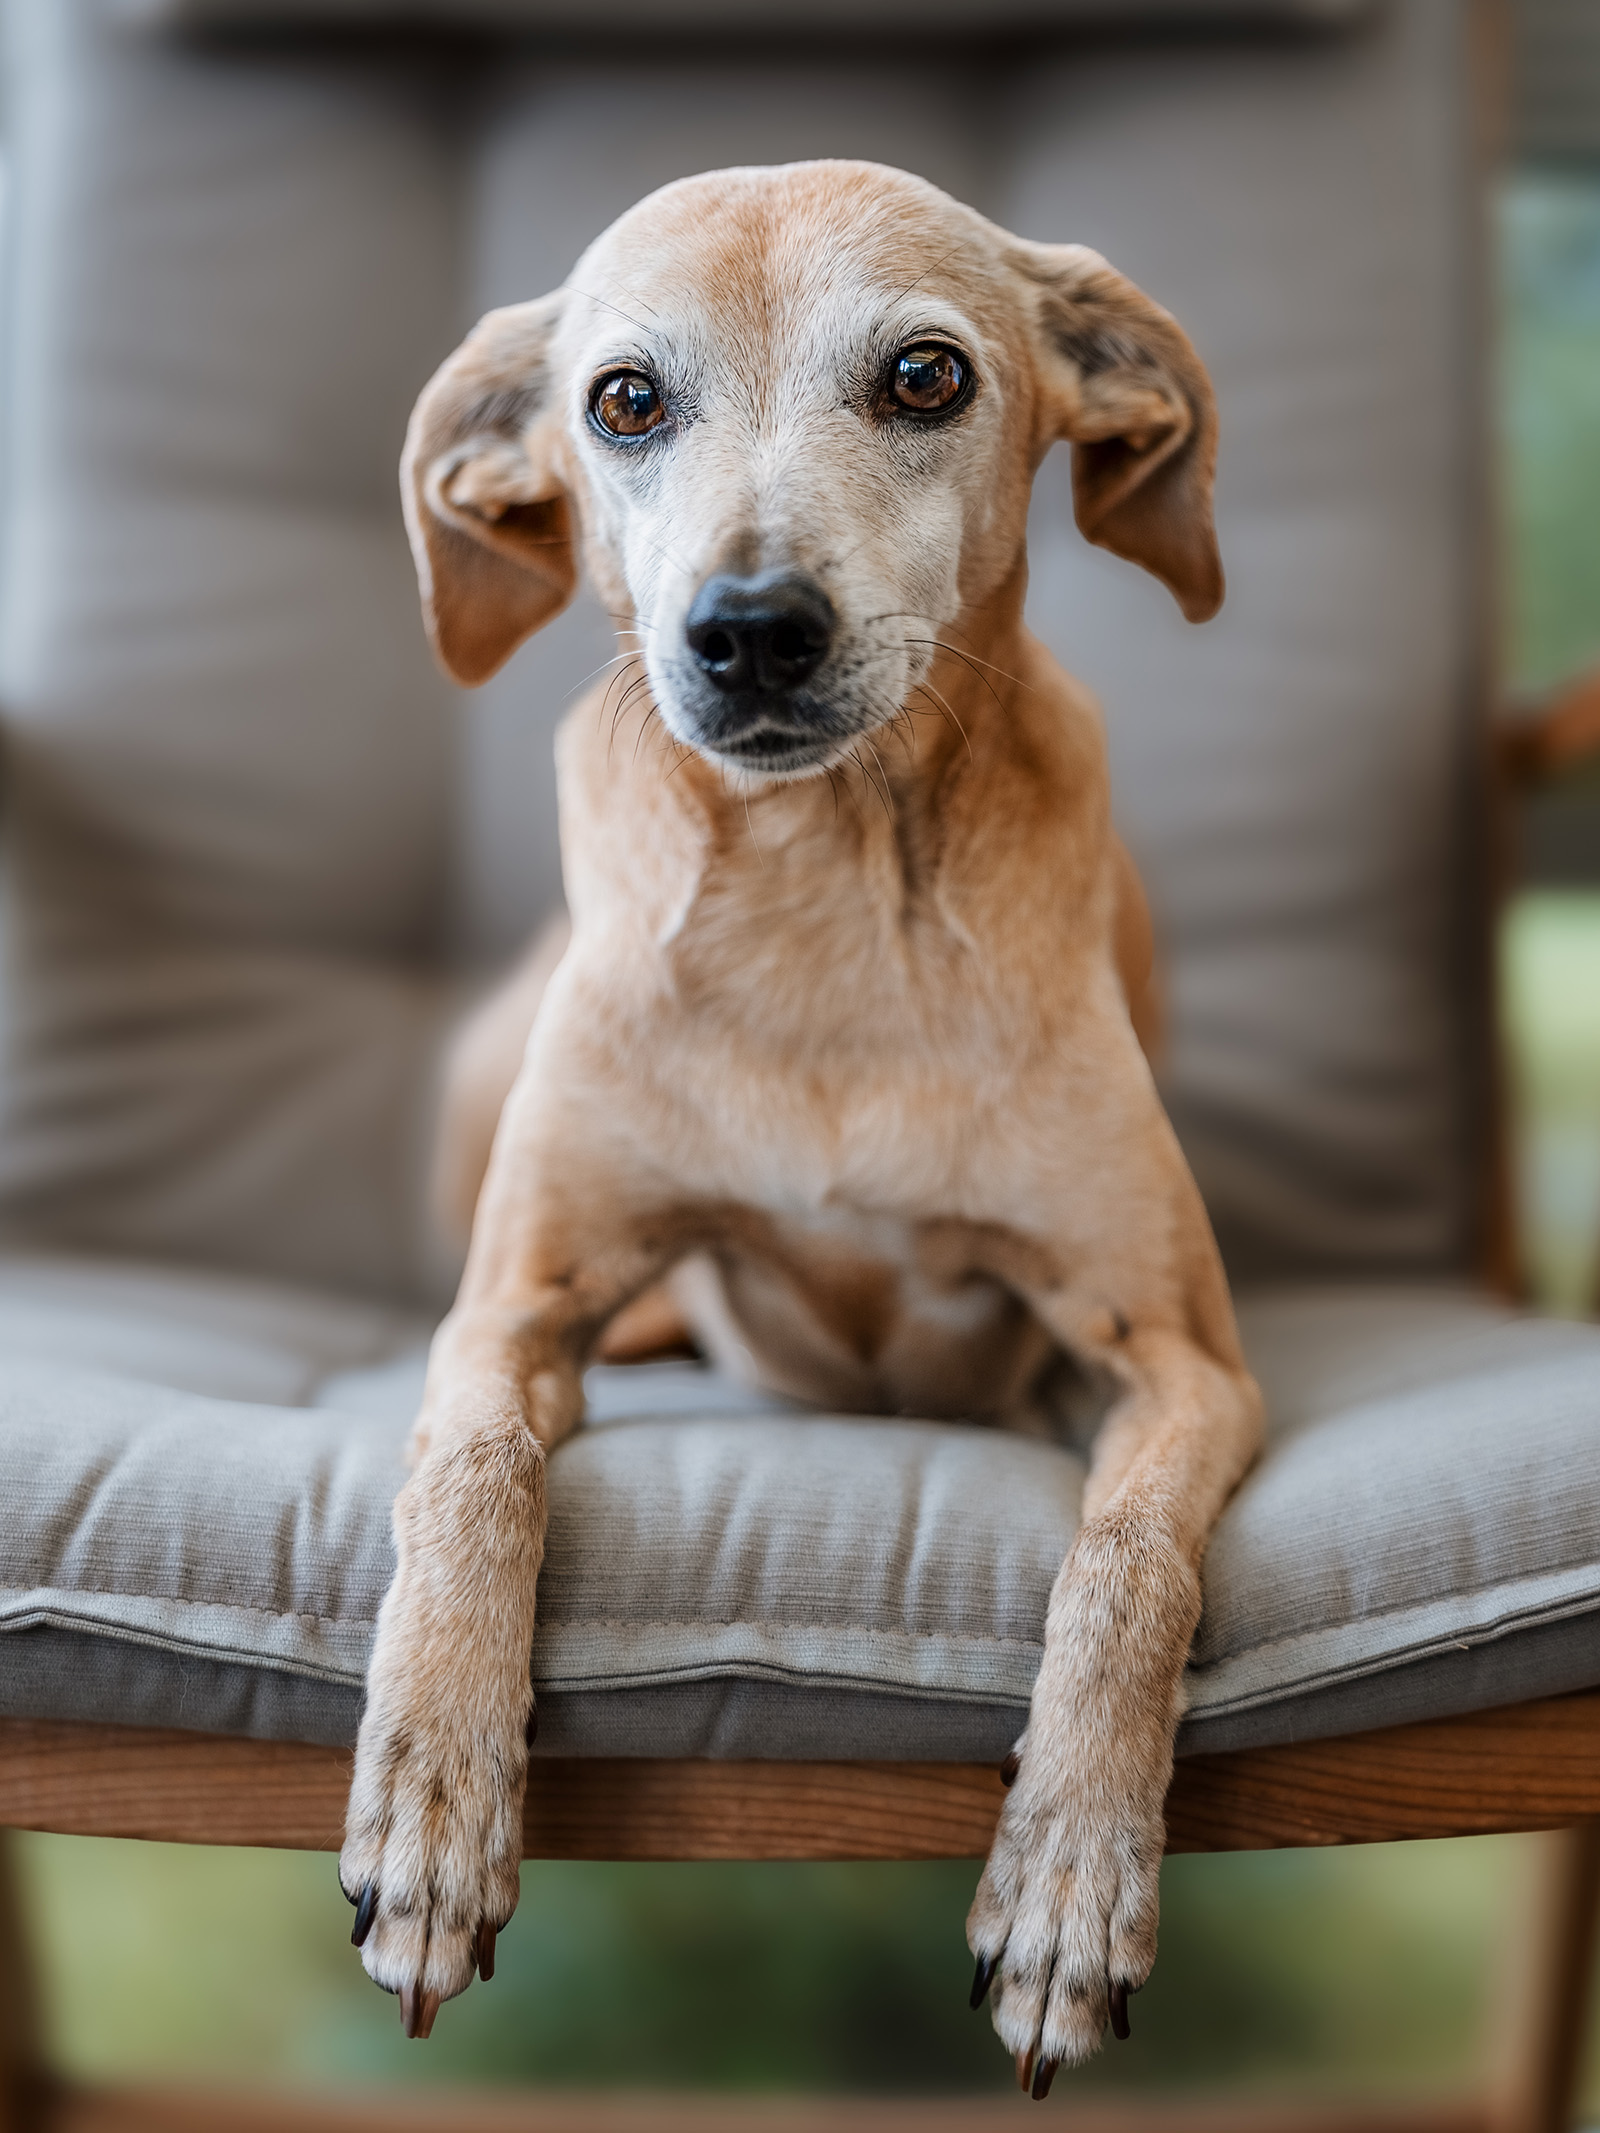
(1550, 1002)
(1550, 403)
(1351, 1970)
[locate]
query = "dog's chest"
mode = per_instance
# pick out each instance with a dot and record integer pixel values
(857, 972)
(842, 1045)
(847, 1087)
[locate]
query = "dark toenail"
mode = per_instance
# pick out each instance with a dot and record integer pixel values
(531, 1730)
(1119, 2013)
(1044, 2074)
(983, 1978)
(1009, 1768)
(486, 1951)
(366, 1911)
(1025, 2070)
(417, 2010)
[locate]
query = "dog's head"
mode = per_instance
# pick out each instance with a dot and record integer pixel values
(794, 414)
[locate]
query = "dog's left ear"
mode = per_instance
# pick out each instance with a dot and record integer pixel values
(485, 501)
(1118, 377)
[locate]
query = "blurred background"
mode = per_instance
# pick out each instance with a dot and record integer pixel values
(1548, 405)
(1356, 1972)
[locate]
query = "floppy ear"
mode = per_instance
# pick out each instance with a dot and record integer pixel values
(485, 505)
(1120, 379)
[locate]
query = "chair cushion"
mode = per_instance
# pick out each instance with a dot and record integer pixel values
(202, 1470)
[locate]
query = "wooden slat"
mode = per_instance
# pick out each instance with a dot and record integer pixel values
(173, 2111)
(1529, 1766)
(181, 1788)
(1535, 1766)
(669, 1810)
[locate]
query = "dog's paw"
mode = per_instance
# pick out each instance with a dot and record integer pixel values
(433, 1840)
(1064, 1922)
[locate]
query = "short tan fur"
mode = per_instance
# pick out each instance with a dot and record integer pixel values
(842, 1045)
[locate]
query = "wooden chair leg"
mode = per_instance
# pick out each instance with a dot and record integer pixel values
(1547, 1987)
(22, 2081)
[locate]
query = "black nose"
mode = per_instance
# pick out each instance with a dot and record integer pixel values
(768, 632)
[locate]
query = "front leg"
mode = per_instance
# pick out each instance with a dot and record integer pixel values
(1064, 1922)
(433, 1835)
(433, 1832)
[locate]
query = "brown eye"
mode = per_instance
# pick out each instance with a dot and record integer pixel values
(927, 378)
(627, 404)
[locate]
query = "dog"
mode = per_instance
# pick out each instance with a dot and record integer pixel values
(843, 1041)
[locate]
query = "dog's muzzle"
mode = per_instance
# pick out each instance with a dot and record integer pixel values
(756, 643)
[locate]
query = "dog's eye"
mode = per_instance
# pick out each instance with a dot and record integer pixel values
(627, 404)
(927, 378)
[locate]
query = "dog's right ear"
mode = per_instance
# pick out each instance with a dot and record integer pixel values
(485, 503)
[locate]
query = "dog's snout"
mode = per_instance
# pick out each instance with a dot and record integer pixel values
(766, 632)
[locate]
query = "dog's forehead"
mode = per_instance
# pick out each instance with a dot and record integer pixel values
(748, 254)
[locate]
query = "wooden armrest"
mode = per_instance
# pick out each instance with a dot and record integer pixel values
(1531, 1766)
(1559, 738)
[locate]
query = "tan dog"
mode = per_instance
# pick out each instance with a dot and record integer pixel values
(841, 1024)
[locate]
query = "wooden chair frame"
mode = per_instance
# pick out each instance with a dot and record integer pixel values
(1534, 1766)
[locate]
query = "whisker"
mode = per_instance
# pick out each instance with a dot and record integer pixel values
(849, 795)
(955, 653)
(946, 712)
(878, 759)
(619, 659)
(616, 718)
(609, 306)
(639, 681)
(993, 669)
(644, 723)
(971, 659)
(888, 816)
(750, 826)
(932, 268)
(618, 680)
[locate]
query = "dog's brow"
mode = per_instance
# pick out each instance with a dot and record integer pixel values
(932, 267)
(617, 308)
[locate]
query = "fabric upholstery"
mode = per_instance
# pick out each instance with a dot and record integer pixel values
(251, 838)
(728, 1576)
(227, 754)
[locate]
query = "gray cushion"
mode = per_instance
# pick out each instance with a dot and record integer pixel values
(726, 1576)
(245, 819)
